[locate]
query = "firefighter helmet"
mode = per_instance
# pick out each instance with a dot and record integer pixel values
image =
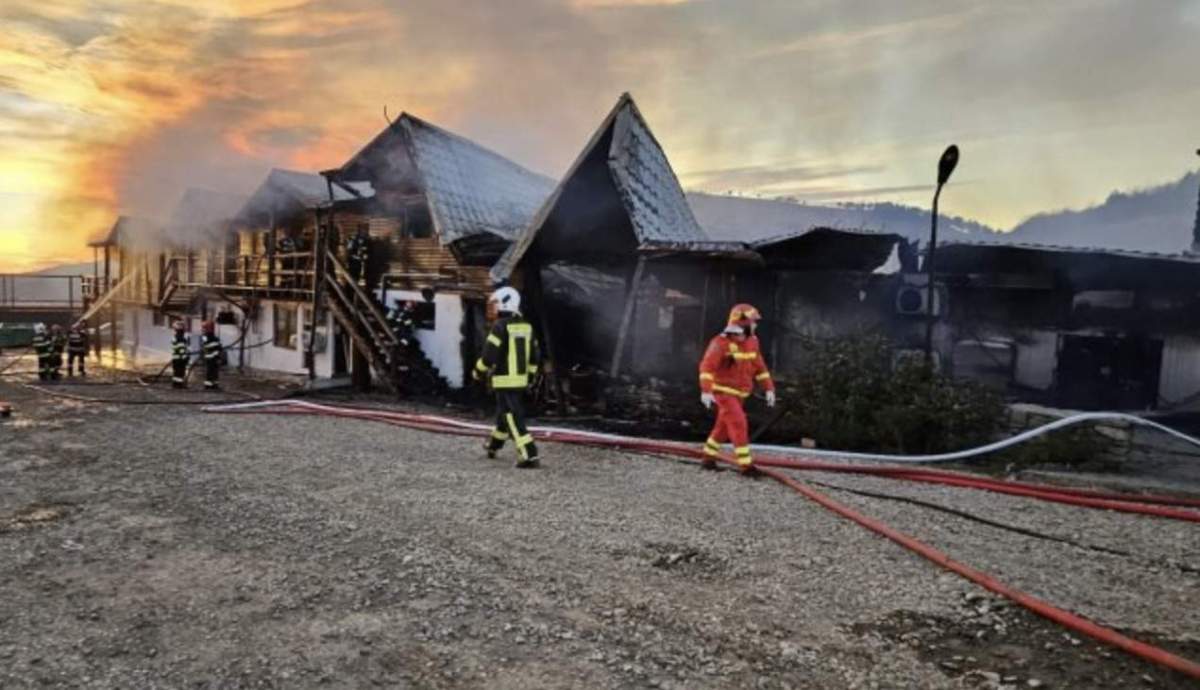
(39, 328)
(178, 325)
(743, 318)
(507, 300)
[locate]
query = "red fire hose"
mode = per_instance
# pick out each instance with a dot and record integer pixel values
(1067, 619)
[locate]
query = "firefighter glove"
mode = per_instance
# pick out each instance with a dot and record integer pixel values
(770, 398)
(707, 400)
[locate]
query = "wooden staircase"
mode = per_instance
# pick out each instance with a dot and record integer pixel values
(173, 296)
(401, 369)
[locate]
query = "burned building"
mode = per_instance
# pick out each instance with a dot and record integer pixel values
(444, 209)
(621, 277)
(271, 269)
(1071, 327)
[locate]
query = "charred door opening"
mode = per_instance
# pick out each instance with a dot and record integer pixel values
(1106, 373)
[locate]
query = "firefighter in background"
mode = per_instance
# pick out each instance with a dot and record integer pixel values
(42, 346)
(58, 343)
(286, 245)
(212, 351)
(402, 320)
(511, 358)
(179, 356)
(77, 349)
(358, 252)
(732, 365)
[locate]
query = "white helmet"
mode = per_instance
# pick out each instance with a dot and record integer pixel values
(508, 300)
(39, 328)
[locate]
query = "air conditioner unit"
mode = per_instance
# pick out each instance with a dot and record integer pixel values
(912, 300)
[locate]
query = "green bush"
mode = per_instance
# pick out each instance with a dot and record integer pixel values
(848, 395)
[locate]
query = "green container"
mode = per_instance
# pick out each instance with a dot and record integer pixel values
(15, 335)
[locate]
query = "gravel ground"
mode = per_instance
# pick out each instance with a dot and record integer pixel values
(156, 546)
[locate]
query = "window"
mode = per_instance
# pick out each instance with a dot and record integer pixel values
(285, 327)
(425, 315)
(417, 223)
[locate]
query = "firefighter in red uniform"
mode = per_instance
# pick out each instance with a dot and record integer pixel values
(732, 365)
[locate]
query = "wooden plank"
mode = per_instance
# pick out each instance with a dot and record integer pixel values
(631, 292)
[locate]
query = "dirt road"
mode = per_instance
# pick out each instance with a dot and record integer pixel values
(154, 546)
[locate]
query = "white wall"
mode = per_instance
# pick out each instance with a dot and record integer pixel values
(153, 343)
(1037, 358)
(1180, 376)
(263, 354)
(443, 345)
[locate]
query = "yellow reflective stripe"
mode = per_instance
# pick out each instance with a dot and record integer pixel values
(480, 366)
(499, 435)
(524, 440)
(512, 427)
(730, 391)
(533, 369)
(742, 451)
(515, 381)
(494, 340)
(745, 356)
(762, 377)
(713, 443)
(518, 330)
(705, 376)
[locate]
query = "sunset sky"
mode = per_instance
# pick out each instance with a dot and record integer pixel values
(111, 106)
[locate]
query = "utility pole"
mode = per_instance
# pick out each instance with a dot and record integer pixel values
(946, 166)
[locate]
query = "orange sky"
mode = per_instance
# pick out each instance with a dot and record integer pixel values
(111, 106)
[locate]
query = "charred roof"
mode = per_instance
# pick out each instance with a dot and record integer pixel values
(620, 196)
(469, 189)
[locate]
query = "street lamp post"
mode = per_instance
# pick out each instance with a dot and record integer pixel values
(946, 166)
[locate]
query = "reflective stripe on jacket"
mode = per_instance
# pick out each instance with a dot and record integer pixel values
(179, 348)
(511, 354)
(212, 347)
(733, 367)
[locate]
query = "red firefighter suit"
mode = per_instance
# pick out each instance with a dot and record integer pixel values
(731, 366)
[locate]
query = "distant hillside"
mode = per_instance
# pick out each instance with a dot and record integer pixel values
(68, 270)
(748, 219)
(1158, 219)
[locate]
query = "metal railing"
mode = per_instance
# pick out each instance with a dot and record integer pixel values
(45, 292)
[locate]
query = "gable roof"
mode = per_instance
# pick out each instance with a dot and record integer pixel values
(648, 188)
(469, 189)
(307, 190)
(127, 228)
(758, 220)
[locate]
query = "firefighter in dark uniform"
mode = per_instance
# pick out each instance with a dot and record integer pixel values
(286, 246)
(511, 358)
(179, 356)
(358, 252)
(42, 346)
(211, 350)
(58, 343)
(402, 320)
(77, 349)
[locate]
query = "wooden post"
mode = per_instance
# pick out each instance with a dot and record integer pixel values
(704, 308)
(631, 292)
(271, 251)
(533, 288)
(777, 319)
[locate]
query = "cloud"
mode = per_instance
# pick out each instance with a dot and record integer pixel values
(111, 106)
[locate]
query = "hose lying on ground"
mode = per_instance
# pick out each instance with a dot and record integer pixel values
(1067, 619)
(1080, 418)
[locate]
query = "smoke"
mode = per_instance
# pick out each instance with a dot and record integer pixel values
(111, 107)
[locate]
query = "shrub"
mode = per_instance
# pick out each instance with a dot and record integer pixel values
(848, 395)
